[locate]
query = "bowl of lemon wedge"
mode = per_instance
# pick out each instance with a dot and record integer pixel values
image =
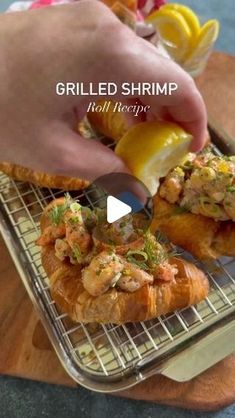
(187, 40)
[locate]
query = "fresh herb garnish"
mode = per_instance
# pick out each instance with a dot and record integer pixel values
(150, 248)
(181, 209)
(73, 220)
(156, 252)
(188, 165)
(57, 212)
(151, 255)
(228, 204)
(75, 207)
(77, 254)
(231, 188)
(111, 242)
(159, 236)
(141, 264)
(102, 266)
(207, 150)
(138, 253)
(100, 215)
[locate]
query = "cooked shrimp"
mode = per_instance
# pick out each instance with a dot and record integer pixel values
(77, 236)
(62, 249)
(121, 249)
(107, 270)
(207, 187)
(102, 273)
(119, 232)
(165, 272)
(51, 233)
(173, 185)
(133, 278)
(137, 244)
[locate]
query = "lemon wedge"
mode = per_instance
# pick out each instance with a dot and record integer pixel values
(151, 149)
(207, 36)
(174, 31)
(209, 32)
(188, 14)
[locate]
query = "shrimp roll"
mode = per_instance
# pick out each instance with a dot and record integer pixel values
(128, 277)
(195, 205)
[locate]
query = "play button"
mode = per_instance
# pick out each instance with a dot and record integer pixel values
(123, 204)
(116, 209)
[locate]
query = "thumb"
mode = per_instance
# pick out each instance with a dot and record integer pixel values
(85, 158)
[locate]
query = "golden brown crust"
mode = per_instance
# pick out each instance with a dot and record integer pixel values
(189, 286)
(41, 179)
(110, 123)
(202, 236)
(224, 241)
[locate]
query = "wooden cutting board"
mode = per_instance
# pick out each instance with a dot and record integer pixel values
(25, 350)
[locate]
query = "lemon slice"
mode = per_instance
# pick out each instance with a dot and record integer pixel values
(209, 32)
(174, 30)
(207, 36)
(188, 14)
(151, 149)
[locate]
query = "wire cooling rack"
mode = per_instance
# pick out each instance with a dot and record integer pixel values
(105, 357)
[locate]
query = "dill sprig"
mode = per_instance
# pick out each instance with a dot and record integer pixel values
(150, 248)
(152, 254)
(77, 253)
(156, 253)
(141, 264)
(181, 209)
(57, 212)
(231, 188)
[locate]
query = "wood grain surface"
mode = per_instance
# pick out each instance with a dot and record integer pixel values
(25, 350)
(217, 85)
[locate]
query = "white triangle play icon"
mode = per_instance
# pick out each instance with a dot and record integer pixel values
(116, 209)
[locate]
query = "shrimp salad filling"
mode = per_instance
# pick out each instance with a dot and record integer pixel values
(204, 184)
(122, 263)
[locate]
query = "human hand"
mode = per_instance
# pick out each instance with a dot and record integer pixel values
(77, 42)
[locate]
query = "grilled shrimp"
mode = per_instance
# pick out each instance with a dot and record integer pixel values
(165, 272)
(107, 270)
(173, 185)
(62, 249)
(133, 278)
(102, 273)
(50, 234)
(117, 233)
(77, 236)
(71, 238)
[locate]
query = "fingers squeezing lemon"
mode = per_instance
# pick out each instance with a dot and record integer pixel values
(151, 149)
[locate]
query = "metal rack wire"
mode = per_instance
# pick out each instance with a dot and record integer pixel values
(96, 354)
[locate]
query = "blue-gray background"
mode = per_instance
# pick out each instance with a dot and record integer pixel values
(27, 399)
